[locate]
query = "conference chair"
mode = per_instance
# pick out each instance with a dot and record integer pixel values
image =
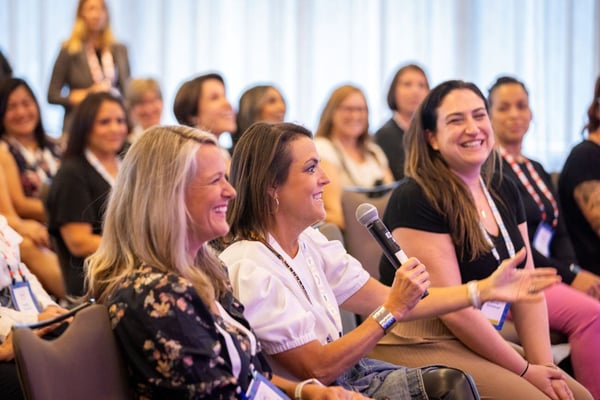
(82, 363)
(357, 239)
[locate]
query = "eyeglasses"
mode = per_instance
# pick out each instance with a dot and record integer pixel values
(351, 109)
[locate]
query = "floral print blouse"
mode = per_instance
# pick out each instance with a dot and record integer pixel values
(171, 343)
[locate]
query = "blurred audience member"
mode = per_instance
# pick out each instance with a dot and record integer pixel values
(34, 157)
(79, 191)
(144, 102)
(90, 60)
(34, 245)
(202, 103)
(569, 311)
(259, 103)
(349, 156)
(32, 304)
(579, 191)
(408, 88)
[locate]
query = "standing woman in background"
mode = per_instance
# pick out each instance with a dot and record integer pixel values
(29, 157)
(91, 60)
(80, 188)
(349, 156)
(407, 90)
(259, 103)
(579, 191)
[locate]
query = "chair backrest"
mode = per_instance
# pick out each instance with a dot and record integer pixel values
(357, 239)
(83, 363)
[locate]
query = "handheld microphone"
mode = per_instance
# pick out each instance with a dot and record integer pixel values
(367, 215)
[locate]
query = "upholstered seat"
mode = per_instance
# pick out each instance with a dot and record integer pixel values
(83, 363)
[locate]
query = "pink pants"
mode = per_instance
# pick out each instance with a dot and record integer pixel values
(577, 316)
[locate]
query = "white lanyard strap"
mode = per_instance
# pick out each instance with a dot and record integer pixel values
(509, 244)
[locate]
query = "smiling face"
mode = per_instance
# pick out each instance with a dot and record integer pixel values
(109, 130)
(207, 196)
(300, 196)
(215, 113)
(351, 117)
(464, 136)
(22, 114)
(510, 113)
(411, 89)
(148, 111)
(273, 109)
(94, 14)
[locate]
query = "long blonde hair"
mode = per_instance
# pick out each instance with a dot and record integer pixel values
(448, 194)
(147, 221)
(80, 33)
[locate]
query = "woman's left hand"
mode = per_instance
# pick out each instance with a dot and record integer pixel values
(510, 284)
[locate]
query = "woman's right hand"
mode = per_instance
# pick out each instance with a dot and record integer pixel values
(317, 392)
(410, 282)
(549, 380)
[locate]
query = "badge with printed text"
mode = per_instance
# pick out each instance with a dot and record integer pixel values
(23, 298)
(542, 238)
(495, 312)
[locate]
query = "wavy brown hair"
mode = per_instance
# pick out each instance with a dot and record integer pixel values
(448, 194)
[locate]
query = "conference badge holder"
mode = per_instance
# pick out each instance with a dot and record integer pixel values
(263, 389)
(495, 312)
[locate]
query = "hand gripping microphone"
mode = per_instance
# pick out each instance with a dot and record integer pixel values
(367, 215)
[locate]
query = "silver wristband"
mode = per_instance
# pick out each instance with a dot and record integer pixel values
(384, 318)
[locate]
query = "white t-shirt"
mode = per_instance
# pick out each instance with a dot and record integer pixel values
(357, 174)
(275, 303)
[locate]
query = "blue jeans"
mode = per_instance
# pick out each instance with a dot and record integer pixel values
(381, 380)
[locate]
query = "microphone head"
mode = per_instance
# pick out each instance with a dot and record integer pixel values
(366, 214)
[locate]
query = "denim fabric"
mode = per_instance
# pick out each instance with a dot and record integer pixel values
(382, 381)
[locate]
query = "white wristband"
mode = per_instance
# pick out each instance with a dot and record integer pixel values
(300, 386)
(474, 295)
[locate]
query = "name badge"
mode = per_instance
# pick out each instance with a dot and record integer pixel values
(542, 238)
(23, 298)
(495, 312)
(263, 389)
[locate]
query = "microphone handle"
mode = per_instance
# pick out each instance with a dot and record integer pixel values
(391, 249)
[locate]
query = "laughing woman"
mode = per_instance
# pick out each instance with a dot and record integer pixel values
(462, 220)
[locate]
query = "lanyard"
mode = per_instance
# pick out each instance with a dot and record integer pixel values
(330, 309)
(537, 181)
(509, 244)
(94, 162)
